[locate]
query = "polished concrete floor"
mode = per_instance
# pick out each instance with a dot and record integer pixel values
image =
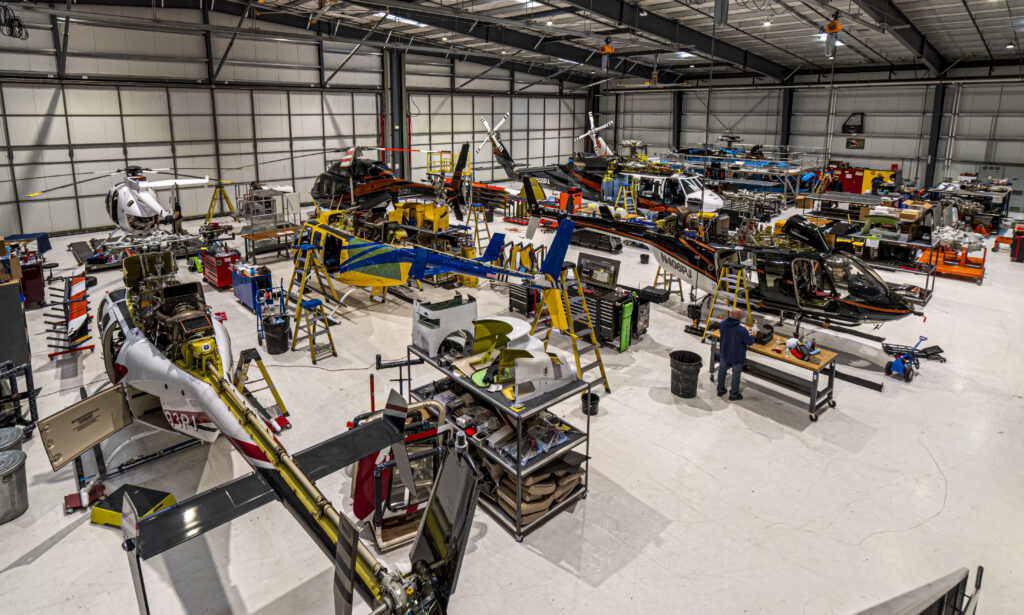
(695, 506)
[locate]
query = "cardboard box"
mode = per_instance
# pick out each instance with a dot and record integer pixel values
(805, 202)
(14, 263)
(910, 215)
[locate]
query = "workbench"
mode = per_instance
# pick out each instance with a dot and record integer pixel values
(516, 414)
(817, 400)
(284, 237)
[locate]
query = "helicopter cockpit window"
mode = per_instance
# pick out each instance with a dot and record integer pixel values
(691, 185)
(854, 279)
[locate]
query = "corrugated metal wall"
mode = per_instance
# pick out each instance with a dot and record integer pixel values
(56, 135)
(539, 131)
(982, 133)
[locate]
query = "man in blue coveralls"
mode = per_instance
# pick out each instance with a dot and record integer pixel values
(734, 341)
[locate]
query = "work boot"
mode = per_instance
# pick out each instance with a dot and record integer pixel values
(735, 397)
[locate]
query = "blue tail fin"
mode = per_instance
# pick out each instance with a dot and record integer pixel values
(493, 251)
(552, 265)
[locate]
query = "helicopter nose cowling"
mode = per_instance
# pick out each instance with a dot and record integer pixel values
(712, 201)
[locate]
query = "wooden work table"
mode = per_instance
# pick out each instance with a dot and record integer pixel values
(283, 237)
(823, 361)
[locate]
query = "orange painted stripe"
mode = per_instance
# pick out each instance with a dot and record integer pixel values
(874, 308)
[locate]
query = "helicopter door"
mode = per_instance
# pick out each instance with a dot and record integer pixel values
(812, 284)
(776, 279)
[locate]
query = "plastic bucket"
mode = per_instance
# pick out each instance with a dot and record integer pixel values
(590, 402)
(13, 485)
(685, 371)
(10, 439)
(276, 333)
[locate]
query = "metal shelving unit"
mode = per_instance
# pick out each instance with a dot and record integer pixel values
(518, 414)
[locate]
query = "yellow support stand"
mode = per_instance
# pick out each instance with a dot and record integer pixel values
(664, 279)
(219, 194)
(737, 278)
(565, 295)
(444, 162)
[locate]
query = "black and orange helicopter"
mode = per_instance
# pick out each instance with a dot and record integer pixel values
(802, 276)
(357, 182)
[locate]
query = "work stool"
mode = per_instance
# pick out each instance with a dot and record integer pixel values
(314, 324)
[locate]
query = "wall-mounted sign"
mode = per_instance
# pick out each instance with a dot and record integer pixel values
(854, 143)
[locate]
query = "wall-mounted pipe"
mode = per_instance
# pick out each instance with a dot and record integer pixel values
(819, 86)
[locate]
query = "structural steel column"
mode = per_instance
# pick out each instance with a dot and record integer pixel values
(396, 112)
(786, 125)
(933, 137)
(677, 118)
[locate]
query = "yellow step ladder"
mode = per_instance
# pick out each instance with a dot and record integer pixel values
(314, 325)
(219, 194)
(565, 305)
(664, 279)
(308, 263)
(626, 198)
(731, 278)
(275, 415)
(479, 214)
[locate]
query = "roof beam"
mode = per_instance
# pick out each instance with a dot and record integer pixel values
(343, 34)
(899, 27)
(667, 28)
(493, 33)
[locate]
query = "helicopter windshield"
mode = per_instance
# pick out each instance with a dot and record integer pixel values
(691, 185)
(854, 279)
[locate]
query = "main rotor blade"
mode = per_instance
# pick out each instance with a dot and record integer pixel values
(502, 122)
(74, 183)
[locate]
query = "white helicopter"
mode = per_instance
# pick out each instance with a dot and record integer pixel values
(171, 366)
(132, 204)
(600, 147)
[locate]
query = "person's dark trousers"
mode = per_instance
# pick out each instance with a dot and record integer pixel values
(737, 370)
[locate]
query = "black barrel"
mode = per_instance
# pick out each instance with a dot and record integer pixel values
(276, 332)
(685, 371)
(590, 401)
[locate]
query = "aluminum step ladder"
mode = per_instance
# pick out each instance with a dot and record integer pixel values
(565, 307)
(731, 279)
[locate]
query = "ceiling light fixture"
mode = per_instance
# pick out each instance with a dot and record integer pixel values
(767, 22)
(643, 13)
(444, 38)
(693, 66)
(550, 23)
(503, 52)
(1010, 45)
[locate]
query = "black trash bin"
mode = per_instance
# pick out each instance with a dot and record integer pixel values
(685, 371)
(645, 258)
(590, 401)
(276, 333)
